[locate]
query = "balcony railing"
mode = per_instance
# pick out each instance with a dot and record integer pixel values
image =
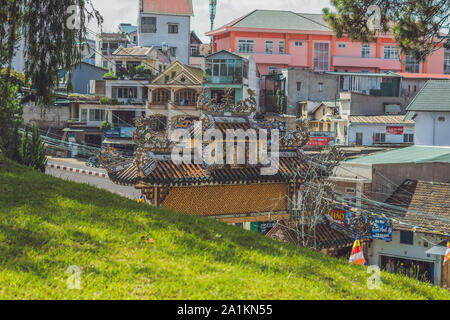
(319, 134)
(224, 79)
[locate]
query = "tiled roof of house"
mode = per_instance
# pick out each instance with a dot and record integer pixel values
(434, 96)
(326, 236)
(412, 154)
(381, 119)
(420, 197)
(276, 19)
(171, 7)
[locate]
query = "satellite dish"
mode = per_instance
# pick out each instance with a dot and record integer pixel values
(165, 47)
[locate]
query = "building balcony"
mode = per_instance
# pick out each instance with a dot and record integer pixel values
(358, 62)
(224, 79)
(322, 134)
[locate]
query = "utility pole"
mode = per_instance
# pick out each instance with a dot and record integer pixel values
(212, 15)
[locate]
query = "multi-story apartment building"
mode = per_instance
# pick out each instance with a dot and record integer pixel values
(285, 39)
(166, 24)
(174, 93)
(225, 70)
(105, 45)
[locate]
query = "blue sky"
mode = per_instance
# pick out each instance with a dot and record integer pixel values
(125, 11)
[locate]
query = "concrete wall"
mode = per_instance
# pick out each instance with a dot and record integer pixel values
(180, 40)
(362, 104)
(52, 117)
(387, 177)
(81, 76)
(310, 87)
(411, 252)
(430, 130)
(369, 130)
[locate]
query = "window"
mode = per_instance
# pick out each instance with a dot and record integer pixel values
(173, 51)
(299, 43)
(365, 51)
(173, 28)
(299, 86)
(342, 45)
(246, 46)
(84, 114)
(148, 24)
(96, 115)
(195, 51)
(186, 97)
(273, 70)
(321, 56)
(380, 137)
(125, 93)
(161, 96)
(281, 47)
(320, 87)
(158, 124)
(350, 190)
(411, 66)
(407, 237)
(390, 53)
(173, 75)
(447, 63)
(408, 138)
(269, 47)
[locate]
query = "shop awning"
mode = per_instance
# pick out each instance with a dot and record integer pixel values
(118, 141)
(438, 250)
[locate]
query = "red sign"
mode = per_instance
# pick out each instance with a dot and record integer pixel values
(394, 130)
(316, 141)
(337, 215)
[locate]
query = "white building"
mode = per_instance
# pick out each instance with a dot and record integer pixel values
(166, 24)
(417, 240)
(373, 130)
(431, 111)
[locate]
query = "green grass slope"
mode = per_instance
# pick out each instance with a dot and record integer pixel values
(47, 225)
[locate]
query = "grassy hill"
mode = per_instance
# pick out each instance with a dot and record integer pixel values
(47, 225)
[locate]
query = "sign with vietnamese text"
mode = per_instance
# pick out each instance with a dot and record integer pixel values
(394, 130)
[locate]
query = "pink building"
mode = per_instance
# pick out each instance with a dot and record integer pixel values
(281, 39)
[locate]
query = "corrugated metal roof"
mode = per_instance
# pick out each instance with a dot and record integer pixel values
(434, 96)
(423, 75)
(413, 154)
(288, 20)
(133, 51)
(381, 119)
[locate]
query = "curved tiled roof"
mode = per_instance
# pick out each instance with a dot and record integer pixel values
(169, 173)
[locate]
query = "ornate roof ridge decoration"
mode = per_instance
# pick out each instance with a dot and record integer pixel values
(211, 106)
(113, 161)
(289, 139)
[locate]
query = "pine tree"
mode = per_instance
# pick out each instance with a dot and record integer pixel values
(38, 159)
(25, 148)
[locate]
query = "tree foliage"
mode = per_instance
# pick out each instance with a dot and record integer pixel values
(419, 27)
(32, 151)
(50, 32)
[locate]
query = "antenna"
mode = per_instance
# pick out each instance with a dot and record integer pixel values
(212, 15)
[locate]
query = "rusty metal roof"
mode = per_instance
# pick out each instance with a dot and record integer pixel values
(397, 119)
